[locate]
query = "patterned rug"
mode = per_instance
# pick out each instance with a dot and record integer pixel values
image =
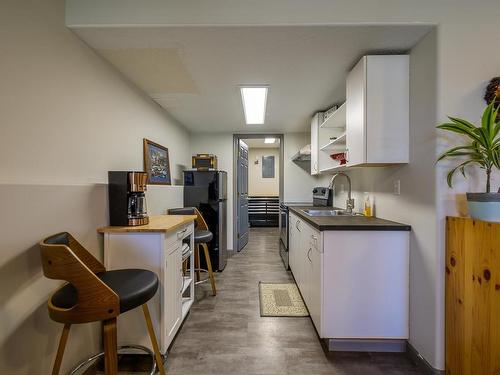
(279, 299)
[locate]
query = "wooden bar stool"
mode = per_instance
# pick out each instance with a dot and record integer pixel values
(93, 294)
(202, 236)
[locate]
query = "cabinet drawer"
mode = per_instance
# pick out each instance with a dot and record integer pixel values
(175, 237)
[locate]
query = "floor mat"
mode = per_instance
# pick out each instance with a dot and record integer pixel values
(281, 300)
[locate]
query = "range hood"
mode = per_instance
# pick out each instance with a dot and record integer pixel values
(304, 154)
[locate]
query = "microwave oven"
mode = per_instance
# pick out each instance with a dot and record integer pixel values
(204, 162)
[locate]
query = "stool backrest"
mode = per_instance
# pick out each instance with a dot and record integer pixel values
(200, 221)
(64, 258)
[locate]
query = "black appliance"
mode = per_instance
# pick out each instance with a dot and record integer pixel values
(204, 162)
(207, 191)
(322, 196)
(284, 228)
(127, 201)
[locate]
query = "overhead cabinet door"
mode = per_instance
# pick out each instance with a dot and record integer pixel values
(377, 116)
(355, 114)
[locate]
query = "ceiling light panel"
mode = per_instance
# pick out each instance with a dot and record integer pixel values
(269, 140)
(254, 104)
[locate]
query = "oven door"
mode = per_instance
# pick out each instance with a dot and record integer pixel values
(284, 255)
(284, 225)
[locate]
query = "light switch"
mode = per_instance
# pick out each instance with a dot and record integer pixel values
(397, 187)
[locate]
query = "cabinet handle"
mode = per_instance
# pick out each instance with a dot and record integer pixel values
(315, 240)
(181, 233)
(315, 166)
(297, 225)
(309, 252)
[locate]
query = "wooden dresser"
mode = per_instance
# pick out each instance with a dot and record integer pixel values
(472, 297)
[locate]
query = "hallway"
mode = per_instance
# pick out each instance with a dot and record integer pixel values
(226, 335)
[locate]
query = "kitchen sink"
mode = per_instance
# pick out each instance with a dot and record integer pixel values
(312, 212)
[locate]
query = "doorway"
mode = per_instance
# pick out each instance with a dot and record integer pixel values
(257, 183)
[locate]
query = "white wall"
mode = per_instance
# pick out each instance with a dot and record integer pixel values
(66, 118)
(257, 185)
(417, 203)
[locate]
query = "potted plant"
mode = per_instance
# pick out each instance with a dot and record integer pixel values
(483, 149)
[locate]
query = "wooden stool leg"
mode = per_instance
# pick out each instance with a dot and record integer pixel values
(197, 261)
(60, 349)
(209, 268)
(110, 347)
(152, 336)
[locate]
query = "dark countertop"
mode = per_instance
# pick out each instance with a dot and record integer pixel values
(303, 204)
(323, 223)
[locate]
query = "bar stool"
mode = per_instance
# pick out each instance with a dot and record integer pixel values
(202, 236)
(93, 294)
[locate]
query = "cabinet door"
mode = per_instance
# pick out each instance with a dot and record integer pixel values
(173, 298)
(300, 277)
(356, 114)
(315, 144)
(387, 115)
(315, 277)
(292, 242)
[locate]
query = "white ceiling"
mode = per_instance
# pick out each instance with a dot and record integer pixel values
(259, 143)
(194, 72)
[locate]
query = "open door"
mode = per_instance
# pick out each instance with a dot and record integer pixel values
(242, 194)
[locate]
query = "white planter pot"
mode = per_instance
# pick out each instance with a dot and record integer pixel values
(484, 206)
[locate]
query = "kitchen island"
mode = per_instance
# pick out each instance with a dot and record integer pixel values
(160, 246)
(353, 273)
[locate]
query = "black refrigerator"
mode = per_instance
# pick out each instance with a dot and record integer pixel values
(207, 191)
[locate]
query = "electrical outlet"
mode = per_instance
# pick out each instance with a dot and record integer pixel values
(397, 187)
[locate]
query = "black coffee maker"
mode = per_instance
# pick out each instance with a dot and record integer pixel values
(127, 201)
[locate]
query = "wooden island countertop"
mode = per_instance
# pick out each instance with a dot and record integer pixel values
(158, 223)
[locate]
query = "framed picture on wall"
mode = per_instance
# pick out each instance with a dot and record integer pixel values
(156, 163)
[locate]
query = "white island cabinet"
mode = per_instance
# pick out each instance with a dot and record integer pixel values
(160, 247)
(355, 283)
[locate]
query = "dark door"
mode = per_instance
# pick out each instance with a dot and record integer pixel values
(242, 194)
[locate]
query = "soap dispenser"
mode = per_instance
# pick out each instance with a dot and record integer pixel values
(368, 205)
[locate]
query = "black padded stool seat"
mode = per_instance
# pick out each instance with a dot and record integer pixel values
(134, 288)
(202, 236)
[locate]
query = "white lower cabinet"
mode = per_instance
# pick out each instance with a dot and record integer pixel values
(173, 284)
(355, 284)
(161, 253)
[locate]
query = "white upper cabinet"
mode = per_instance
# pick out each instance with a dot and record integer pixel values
(377, 113)
(372, 127)
(314, 143)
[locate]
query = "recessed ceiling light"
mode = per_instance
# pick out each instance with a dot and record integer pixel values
(269, 140)
(254, 104)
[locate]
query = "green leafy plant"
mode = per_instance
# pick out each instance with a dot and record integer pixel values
(483, 147)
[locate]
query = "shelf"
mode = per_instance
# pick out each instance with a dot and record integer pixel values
(337, 144)
(186, 305)
(337, 168)
(186, 283)
(337, 119)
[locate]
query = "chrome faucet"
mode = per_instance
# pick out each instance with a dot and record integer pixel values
(350, 201)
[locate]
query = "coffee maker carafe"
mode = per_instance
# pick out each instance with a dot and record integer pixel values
(127, 201)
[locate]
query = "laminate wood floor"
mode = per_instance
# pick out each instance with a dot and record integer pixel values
(226, 335)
